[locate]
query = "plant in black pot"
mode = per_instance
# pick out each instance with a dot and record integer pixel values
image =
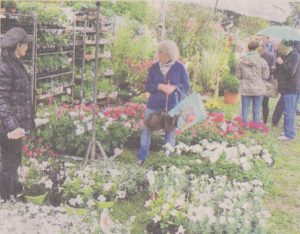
(231, 88)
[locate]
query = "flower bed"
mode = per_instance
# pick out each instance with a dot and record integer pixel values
(67, 129)
(204, 204)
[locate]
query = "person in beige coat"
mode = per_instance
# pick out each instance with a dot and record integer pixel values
(252, 70)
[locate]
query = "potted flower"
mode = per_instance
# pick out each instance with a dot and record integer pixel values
(105, 190)
(78, 191)
(36, 183)
(231, 88)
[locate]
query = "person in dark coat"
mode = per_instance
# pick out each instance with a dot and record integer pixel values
(270, 58)
(288, 77)
(16, 111)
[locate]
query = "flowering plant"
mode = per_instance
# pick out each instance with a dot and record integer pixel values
(205, 204)
(113, 127)
(218, 128)
(78, 187)
(33, 177)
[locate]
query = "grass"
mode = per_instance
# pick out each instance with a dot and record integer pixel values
(283, 193)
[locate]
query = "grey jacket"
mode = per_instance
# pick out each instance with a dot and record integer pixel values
(252, 70)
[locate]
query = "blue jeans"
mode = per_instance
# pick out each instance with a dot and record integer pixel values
(256, 105)
(145, 140)
(289, 112)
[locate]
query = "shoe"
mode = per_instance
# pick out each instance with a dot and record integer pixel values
(298, 112)
(140, 162)
(284, 138)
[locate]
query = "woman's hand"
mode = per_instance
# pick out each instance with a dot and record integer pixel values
(167, 88)
(16, 134)
(279, 60)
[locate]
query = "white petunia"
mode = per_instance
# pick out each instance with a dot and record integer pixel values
(151, 177)
(101, 198)
(79, 130)
(48, 184)
(180, 230)
(156, 218)
(107, 186)
(90, 203)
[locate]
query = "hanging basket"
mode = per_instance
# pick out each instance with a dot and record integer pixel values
(231, 98)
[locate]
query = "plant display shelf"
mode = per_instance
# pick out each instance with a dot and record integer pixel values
(54, 75)
(56, 52)
(85, 24)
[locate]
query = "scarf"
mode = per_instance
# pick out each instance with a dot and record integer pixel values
(164, 68)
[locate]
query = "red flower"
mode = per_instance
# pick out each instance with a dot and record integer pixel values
(29, 154)
(25, 148)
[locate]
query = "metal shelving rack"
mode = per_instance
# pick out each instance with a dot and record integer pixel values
(89, 28)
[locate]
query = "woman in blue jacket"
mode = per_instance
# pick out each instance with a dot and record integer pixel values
(166, 78)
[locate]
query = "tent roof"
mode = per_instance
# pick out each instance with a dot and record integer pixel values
(273, 10)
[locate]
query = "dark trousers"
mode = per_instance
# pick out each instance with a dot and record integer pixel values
(265, 108)
(11, 159)
(278, 111)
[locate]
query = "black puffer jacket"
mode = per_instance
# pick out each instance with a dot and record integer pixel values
(288, 74)
(15, 94)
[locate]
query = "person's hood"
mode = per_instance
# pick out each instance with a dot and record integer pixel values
(250, 59)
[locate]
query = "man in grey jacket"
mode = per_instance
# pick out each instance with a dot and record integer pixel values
(252, 70)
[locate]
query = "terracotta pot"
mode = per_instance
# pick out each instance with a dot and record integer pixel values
(231, 98)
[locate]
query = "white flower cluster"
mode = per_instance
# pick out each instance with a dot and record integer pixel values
(239, 154)
(206, 204)
(32, 165)
(40, 121)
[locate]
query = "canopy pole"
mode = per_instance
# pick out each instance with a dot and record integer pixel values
(216, 6)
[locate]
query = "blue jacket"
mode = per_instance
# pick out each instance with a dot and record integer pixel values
(177, 75)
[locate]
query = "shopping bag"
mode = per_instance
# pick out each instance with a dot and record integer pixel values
(190, 111)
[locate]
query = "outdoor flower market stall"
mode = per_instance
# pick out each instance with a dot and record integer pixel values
(88, 63)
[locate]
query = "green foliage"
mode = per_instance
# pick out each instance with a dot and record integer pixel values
(47, 12)
(136, 10)
(204, 48)
(232, 62)
(130, 49)
(249, 26)
(230, 82)
(10, 4)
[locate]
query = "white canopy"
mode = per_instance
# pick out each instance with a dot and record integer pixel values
(274, 10)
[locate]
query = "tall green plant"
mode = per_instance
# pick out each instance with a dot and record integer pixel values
(129, 48)
(205, 49)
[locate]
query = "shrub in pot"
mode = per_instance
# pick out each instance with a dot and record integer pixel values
(231, 88)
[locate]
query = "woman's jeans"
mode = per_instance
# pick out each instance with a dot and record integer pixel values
(256, 105)
(289, 112)
(11, 159)
(145, 140)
